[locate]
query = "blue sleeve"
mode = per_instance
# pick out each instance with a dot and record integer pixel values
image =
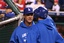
(63, 40)
(10, 14)
(13, 38)
(59, 38)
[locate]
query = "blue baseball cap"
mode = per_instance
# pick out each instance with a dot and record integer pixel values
(28, 10)
(41, 12)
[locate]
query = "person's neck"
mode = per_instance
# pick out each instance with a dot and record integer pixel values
(40, 19)
(28, 24)
(38, 3)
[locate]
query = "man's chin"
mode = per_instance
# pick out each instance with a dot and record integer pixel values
(30, 21)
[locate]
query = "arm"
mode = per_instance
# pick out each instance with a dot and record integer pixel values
(63, 40)
(53, 8)
(59, 38)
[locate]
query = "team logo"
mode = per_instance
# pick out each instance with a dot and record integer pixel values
(28, 9)
(24, 36)
(43, 10)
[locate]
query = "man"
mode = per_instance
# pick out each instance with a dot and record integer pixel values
(56, 7)
(8, 13)
(20, 33)
(45, 30)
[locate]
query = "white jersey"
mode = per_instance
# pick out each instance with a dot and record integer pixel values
(56, 8)
(33, 1)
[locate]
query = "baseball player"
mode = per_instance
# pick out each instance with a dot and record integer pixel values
(20, 33)
(43, 30)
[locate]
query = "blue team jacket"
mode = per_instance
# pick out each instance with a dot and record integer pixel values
(63, 40)
(47, 32)
(51, 20)
(44, 32)
(20, 34)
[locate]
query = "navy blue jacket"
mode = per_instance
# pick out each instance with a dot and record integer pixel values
(10, 14)
(20, 33)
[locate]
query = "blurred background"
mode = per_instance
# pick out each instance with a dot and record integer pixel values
(9, 20)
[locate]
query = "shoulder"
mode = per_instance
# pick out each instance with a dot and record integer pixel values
(12, 13)
(34, 27)
(40, 26)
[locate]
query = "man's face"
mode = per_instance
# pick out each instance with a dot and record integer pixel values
(8, 10)
(28, 18)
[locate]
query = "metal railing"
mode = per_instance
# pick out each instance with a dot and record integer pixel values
(57, 13)
(18, 17)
